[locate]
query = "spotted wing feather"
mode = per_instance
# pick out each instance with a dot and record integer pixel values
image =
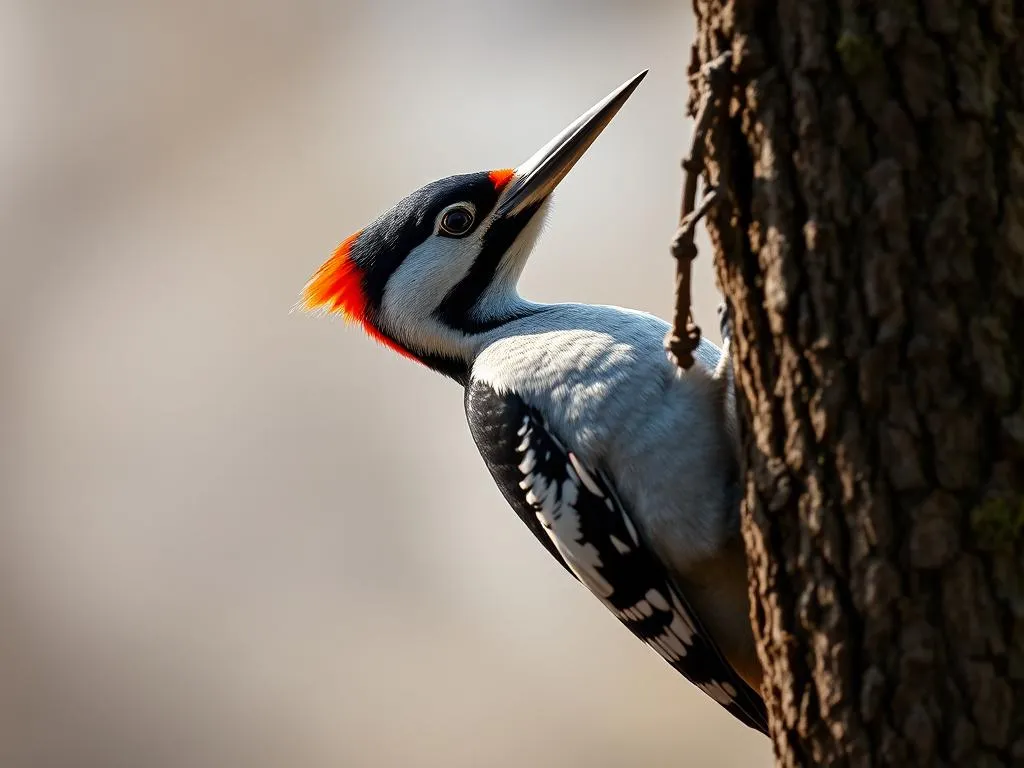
(575, 513)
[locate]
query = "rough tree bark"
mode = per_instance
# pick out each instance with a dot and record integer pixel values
(869, 237)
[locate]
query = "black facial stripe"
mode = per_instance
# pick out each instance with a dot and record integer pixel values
(454, 310)
(384, 244)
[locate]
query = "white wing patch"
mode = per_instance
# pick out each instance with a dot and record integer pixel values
(629, 523)
(554, 506)
(529, 461)
(585, 476)
(723, 693)
(620, 545)
(676, 638)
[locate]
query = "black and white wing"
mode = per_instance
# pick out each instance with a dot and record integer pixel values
(574, 512)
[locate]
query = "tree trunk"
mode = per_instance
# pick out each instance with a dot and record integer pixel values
(869, 237)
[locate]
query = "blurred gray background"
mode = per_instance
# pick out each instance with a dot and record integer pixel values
(235, 536)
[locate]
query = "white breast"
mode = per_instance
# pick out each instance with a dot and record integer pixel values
(602, 380)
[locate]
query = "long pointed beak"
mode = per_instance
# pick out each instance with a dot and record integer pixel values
(535, 179)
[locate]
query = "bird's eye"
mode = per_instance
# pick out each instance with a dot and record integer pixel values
(456, 221)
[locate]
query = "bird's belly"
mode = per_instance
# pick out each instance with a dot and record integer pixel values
(714, 588)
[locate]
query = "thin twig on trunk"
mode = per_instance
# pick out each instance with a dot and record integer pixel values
(684, 336)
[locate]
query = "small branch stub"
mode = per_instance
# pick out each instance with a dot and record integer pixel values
(684, 337)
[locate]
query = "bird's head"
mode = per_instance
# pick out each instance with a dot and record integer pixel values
(441, 266)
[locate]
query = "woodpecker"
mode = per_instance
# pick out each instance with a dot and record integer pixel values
(623, 466)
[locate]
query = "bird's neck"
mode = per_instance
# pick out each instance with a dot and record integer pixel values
(450, 346)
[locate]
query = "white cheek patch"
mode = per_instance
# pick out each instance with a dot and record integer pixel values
(418, 287)
(426, 276)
